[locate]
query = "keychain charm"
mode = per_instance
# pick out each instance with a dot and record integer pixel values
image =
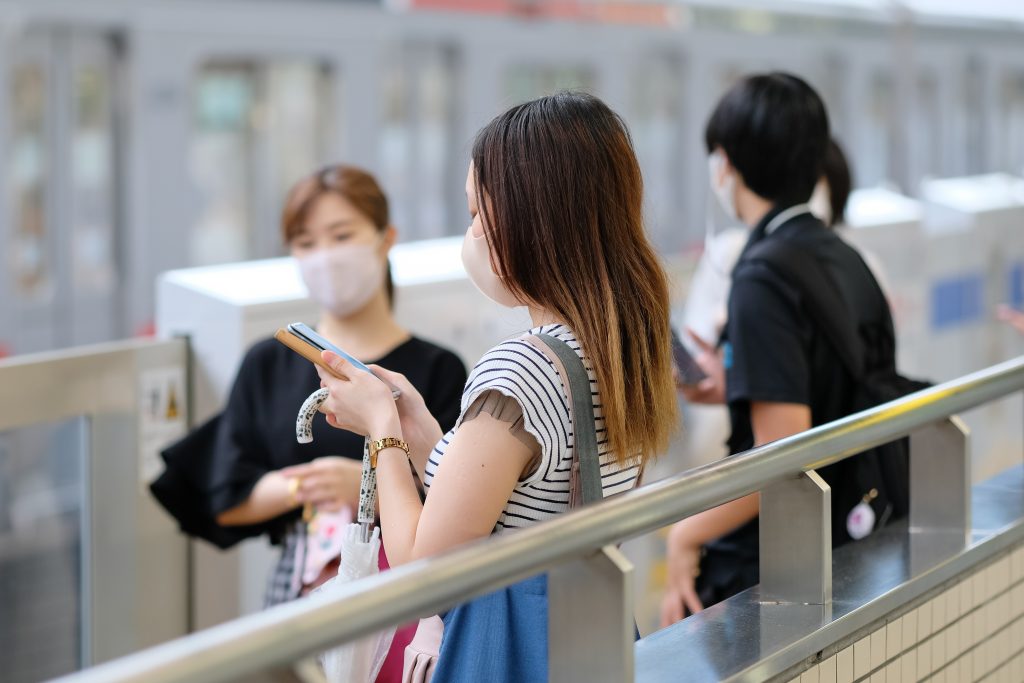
(861, 520)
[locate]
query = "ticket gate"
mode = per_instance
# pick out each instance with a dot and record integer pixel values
(973, 257)
(90, 568)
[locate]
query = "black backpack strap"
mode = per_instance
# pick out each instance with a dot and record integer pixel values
(584, 428)
(807, 274)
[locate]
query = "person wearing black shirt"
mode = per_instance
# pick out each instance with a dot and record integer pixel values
(243, 473)
(767, 141)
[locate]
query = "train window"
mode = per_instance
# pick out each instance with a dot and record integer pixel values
(1012, 106)
(416, 141)
(657, 134)
(258, 127)
(30, 151)
(527, 82)
(92, 178)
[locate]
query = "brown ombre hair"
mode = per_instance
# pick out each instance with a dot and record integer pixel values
(354, 185)
(561, 195)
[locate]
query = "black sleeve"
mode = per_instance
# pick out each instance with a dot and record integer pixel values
(768, 358)
(444, 396)
(240, 457)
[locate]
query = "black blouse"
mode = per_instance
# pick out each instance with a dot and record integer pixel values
(255, 434)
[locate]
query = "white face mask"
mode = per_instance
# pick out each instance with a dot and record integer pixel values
(821, 204)
(476, 258)
(722, 184)
(344, 278)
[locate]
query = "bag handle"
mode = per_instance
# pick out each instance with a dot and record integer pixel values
(585, 479)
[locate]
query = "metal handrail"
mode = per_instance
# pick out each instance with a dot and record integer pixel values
(290, 632)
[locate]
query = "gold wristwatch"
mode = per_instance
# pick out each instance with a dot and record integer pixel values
(387, 442)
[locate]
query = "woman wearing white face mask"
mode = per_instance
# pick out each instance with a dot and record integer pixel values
(336, 225)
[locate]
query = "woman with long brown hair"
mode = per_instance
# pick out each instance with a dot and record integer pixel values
(555, 196)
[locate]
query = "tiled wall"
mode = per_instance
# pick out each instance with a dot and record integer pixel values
(965, 631)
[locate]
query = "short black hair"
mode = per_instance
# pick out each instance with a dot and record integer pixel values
(774, 129)
(840, 181)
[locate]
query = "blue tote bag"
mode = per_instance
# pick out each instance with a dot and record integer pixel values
(502, 637)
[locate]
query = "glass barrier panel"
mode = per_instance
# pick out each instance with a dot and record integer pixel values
(975, 103)
(875, 162)
(42, 546)
(926, 130)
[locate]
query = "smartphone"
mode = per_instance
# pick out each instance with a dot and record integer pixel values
(305, 341)
(690, 373)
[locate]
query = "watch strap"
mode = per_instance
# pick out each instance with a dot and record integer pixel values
(379, 445)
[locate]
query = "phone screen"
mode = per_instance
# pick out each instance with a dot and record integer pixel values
(690, 373)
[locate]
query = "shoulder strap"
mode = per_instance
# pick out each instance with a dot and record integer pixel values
(585, 449)
(805, 272)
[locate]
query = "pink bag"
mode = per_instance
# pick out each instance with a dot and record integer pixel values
(421, 653)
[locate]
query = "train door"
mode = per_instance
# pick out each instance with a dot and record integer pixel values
(925, 132)
(656, 123)
(258, 126)
(62, 207)
(1011, 108)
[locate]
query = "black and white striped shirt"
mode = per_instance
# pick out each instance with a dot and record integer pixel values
(520, 370)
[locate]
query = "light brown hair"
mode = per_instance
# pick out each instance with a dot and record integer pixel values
(356, 186)
(561, 194)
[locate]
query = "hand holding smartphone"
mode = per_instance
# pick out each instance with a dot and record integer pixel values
(305, 341)
(690, 372)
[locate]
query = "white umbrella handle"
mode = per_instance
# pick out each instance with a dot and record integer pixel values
(367, 493)
(310, 407)
(368, 483)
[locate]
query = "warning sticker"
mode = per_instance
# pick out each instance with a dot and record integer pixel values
(162, 412)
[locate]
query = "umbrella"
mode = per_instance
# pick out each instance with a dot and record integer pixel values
(359, 661)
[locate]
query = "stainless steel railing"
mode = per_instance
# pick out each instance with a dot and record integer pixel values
(577, 550)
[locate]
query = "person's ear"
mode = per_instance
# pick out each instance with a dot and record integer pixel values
(388, 239)
(727, 166)
(720, 166)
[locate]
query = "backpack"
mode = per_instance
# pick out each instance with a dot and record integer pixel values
(878, 477)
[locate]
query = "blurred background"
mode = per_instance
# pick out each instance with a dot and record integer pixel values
(145, 135)
(147, 145)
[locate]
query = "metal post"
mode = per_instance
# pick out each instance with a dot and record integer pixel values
(940, 490)
(796, 541)
(590, 619)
